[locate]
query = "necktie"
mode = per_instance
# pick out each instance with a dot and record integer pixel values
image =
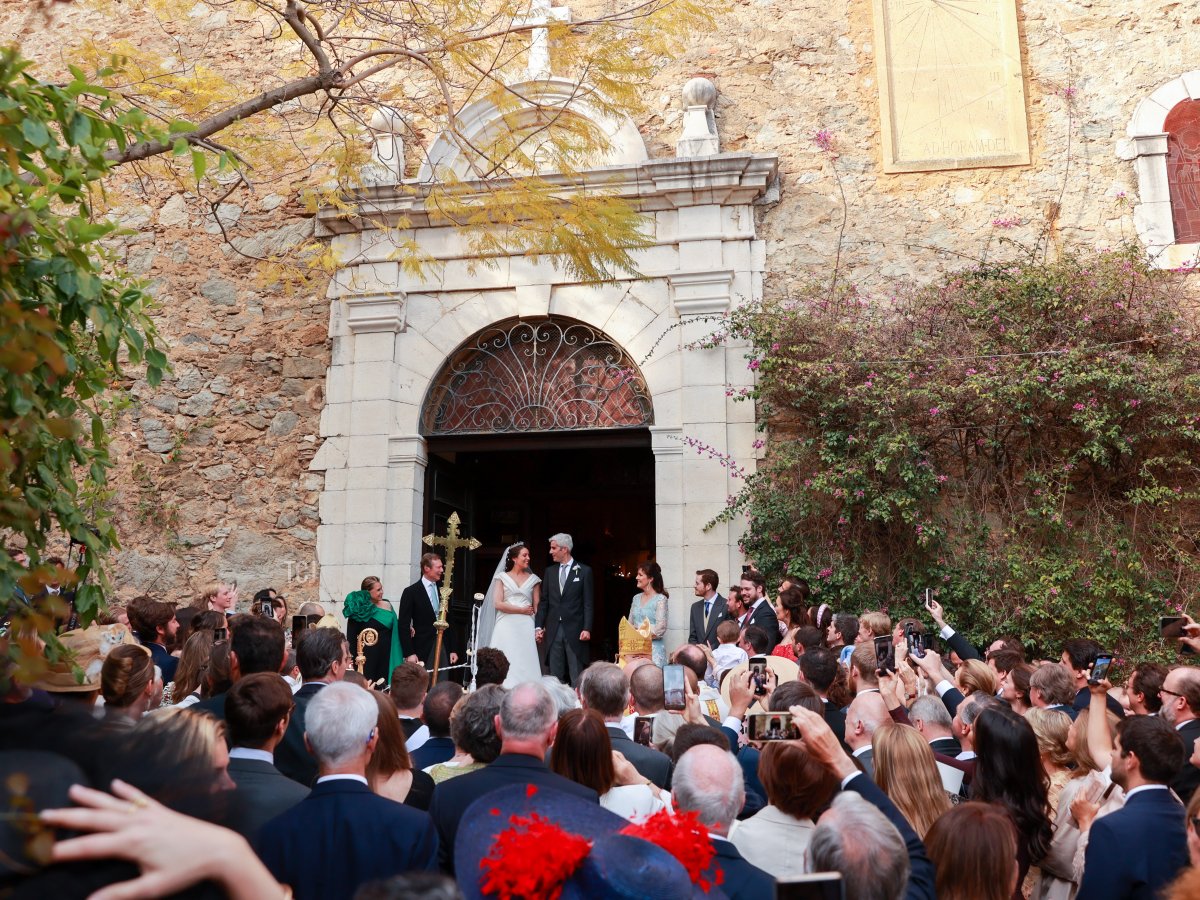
(707, 609)
(562, 576)
(434, 600)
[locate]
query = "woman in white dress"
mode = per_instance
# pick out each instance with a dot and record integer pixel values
(506, 621)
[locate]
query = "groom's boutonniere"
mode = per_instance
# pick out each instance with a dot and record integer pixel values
(575, 572)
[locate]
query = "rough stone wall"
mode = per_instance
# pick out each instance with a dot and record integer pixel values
(211, 475)
(211, 478)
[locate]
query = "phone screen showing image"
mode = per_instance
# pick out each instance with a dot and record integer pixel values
(1100, 668)
(885, 654)
(771, 726)
(673, 693)
(643, 730)
(758, 671)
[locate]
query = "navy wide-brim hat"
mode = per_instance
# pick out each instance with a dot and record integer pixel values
(618, 866)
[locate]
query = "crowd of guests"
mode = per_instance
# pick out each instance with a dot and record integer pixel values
(189, 750)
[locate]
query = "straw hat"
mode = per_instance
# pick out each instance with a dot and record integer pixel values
(86, 649)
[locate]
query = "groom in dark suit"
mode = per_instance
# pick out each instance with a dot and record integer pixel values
(564, 617)
(419, 607)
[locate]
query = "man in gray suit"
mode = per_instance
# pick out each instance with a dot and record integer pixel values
(257, 711)
(605, 688)
(866, 713)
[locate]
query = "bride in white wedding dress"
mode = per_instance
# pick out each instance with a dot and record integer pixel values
(506, 620)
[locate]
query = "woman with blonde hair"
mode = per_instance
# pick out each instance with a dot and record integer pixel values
(220, 597)
(873, 624)
(1051, 727)
(1062, 867)
(130, 684)
(906, 771)
(974, 675)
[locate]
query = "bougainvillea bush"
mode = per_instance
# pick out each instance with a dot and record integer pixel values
(1021, 439)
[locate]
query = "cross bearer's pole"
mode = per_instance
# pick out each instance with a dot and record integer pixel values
(449, 542)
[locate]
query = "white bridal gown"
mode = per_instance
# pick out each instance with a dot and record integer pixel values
(513, 633)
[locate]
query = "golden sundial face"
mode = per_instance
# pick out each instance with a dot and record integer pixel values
(952, 95)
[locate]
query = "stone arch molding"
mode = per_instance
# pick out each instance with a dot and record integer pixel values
(483, 120)
(1148, 137)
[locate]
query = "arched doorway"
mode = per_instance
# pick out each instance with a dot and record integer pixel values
(535, 426)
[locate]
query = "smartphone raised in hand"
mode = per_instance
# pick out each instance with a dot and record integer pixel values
(1171, 628)
(758, 671)
(674, 696)
(1100, 668)
(771, 726)
(885, 653)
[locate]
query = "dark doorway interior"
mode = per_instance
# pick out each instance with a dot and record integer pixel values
(597, 486)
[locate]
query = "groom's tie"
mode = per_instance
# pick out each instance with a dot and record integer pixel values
(562, 577)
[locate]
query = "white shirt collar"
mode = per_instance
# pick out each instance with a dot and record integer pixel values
(966, 754)
(428, 584)
(570, 561)
(358, 778)
(1144, 787)
(861, 750)
(250, 753)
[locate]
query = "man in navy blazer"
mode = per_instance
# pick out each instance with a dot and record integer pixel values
(1136, 851)
(878, 857)
(708, 781)
(323, 656)
(343, 835)
(527, 724)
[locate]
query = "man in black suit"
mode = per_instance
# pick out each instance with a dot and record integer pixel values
(929, 716)
(708, 612)
(256, 644)
(257, 710)
(708, 781)
(527, 724)
(761, 613)
(564, 617)
(1181, 710)
(323, 656)
(343, 834)
(439, 703)
(420, 605)
(1079, 655)
(604, 687)
(1137, 850)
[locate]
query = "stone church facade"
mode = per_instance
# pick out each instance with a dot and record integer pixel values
(293, 444)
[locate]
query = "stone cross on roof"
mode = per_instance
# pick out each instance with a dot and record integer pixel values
(541, 14)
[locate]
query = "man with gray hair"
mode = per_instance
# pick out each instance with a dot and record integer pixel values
(708, 782)
(527, 724)
(929, 716)
(963, 725)
(604, 687)
(1053, 687)
(344, 835)
(863, 835)
(856, 839)
(564, 617)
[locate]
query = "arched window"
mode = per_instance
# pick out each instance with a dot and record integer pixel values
(1164, 147)
(1183, 169)
(533, 376)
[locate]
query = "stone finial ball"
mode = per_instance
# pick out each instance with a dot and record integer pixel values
(699, 92)
(386, 119)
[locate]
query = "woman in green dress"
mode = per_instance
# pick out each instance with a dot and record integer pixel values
(367, 608)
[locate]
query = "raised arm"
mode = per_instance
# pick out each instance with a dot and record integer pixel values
(953, 639)
(1099, 736)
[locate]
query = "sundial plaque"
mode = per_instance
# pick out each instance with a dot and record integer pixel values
(952, 95)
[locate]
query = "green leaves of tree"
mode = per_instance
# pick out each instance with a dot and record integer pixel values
(70, 322)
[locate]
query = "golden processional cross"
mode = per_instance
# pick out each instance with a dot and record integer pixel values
(450, 543)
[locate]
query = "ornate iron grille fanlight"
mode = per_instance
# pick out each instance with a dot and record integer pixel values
(530, 376)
